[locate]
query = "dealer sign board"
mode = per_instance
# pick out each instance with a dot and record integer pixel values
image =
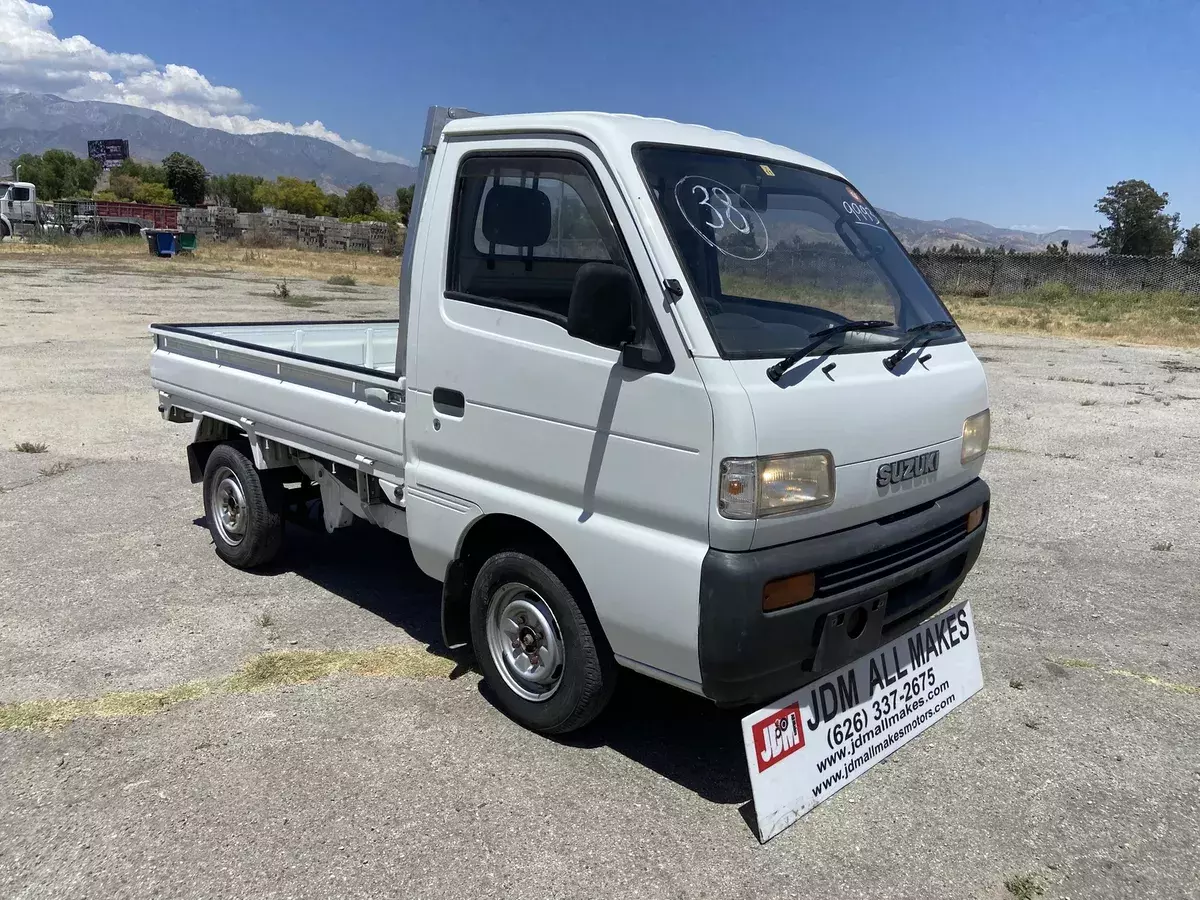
(109, 153)
(807, 746)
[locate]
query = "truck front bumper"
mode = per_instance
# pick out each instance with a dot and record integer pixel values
(872, 582)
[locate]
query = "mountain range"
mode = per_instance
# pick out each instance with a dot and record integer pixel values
(969, 233)
(33, 123)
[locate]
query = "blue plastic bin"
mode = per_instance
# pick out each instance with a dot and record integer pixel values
(164, 243)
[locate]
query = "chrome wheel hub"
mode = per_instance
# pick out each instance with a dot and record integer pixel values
(525, 641)
(229, 506)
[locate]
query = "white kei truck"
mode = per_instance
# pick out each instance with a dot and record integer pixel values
(658, 397)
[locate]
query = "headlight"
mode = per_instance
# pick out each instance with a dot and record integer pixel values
(772, 485)
(976, 433)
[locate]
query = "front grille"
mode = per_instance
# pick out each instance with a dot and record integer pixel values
(853, 573)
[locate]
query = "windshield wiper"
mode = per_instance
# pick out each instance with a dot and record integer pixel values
(916, 334)
(817, 338)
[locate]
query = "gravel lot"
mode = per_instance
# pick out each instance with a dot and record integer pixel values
(1076, 771)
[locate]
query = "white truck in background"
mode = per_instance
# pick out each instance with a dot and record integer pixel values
(22, 214)
(658, 397)
(20, 211)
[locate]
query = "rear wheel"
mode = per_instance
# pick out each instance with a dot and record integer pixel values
(243, 509)
(543, 656)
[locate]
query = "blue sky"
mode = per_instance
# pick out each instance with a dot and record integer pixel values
(1016, 113)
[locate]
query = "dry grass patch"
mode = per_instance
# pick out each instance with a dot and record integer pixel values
(1138, 318)
(261, 673)
(1023, 887)
(1175, 687)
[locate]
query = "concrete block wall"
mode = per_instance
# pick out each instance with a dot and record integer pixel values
(224, 223)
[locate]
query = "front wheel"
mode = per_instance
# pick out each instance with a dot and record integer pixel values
(545, 659)
(244, 510)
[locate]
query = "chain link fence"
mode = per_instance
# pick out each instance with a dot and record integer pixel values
(824, 268)
(996, 274)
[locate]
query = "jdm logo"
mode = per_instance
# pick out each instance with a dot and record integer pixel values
(778, 736)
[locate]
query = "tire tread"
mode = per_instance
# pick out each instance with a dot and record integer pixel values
(597, 676)
(264, 502)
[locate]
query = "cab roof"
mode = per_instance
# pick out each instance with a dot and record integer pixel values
(612, 130)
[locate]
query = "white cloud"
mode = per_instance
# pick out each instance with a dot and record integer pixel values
(34, 58)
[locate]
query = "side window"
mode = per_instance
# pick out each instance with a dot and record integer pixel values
(523, 226)
(573, 232)
(20, 193)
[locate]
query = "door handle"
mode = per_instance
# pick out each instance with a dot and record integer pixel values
(449, 402)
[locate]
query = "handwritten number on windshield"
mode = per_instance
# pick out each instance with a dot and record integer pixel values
(862, 214)
(727, 218)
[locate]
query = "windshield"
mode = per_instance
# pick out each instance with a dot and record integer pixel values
(777, 252)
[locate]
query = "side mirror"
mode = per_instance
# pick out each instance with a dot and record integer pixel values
(604, 298)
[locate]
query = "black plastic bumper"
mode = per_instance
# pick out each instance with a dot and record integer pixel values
(895, 570)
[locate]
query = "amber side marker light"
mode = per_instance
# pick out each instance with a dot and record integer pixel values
(785, 592)
(974, 519)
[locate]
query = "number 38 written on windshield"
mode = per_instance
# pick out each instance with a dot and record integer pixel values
(722, 217)
(731, 216)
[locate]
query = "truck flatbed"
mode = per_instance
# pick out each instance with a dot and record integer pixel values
(325, 388)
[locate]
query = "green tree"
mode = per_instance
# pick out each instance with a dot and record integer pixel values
(153, 192)
(361, 200)
(236, 191)
(57, 174)
(404, 202)
(186, 178)
(1191, 245)
(335, 205)
(145, 172)
(292, 195)
(122, 186)
(1137, 225)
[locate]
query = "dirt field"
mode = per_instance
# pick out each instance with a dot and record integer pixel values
(277, 263)
(154, 744)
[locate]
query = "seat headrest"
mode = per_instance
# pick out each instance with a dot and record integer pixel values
(516, 216)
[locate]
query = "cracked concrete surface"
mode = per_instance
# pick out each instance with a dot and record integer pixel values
(1064, 769)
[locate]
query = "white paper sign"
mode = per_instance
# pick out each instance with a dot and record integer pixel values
(805, 747)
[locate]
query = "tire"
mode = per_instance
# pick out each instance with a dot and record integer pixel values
(244, 510)
(572, 674)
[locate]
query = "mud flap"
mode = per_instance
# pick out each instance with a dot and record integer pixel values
(456, 595)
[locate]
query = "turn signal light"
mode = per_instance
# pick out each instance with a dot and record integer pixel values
(785, 592)
(974, 519)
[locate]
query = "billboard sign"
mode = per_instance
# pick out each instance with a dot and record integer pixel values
(109, 153)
